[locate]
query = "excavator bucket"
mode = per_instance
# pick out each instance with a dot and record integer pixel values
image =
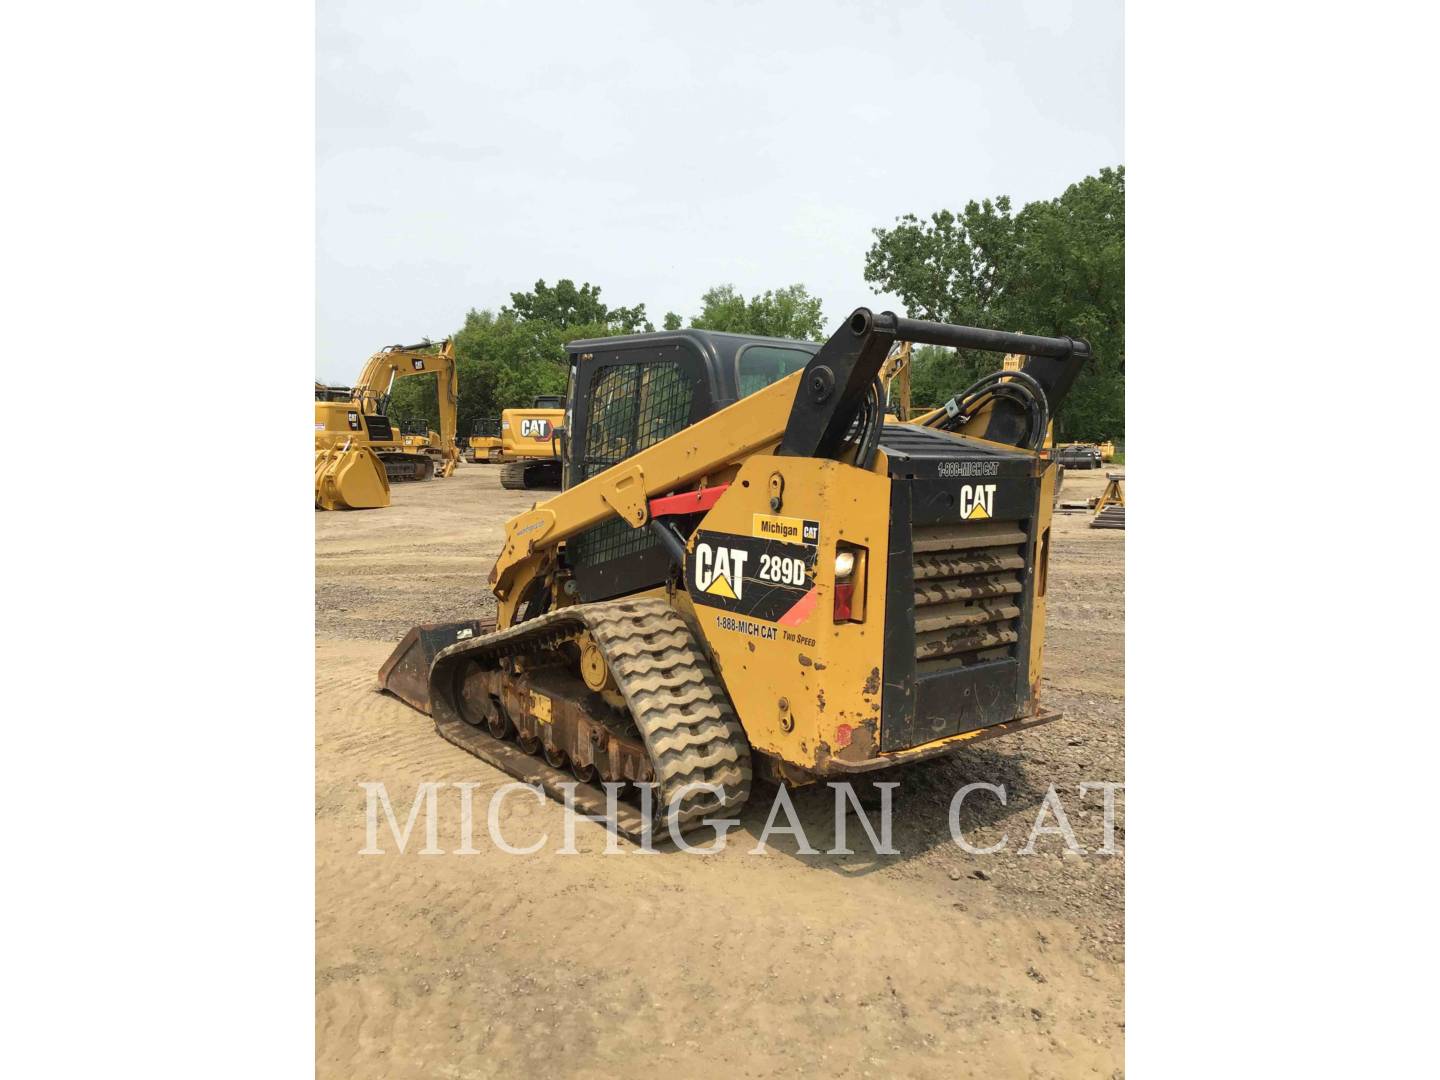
(407, 673)
(350, 478)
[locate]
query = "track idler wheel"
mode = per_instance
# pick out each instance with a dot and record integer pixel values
(476, 708)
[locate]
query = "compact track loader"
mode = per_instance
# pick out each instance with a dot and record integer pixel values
(416, 437)
(750, 571)
(484, 446)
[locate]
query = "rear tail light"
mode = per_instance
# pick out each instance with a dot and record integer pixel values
(849, 583)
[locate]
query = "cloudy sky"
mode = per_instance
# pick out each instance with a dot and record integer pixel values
(465, 149)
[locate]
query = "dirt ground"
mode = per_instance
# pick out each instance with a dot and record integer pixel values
(933, 962)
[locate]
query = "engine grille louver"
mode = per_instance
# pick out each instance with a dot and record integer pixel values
(968, 587)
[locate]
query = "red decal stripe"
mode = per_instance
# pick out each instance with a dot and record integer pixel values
(801, 611)
(689, 502)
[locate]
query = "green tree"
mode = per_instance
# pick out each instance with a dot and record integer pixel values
(790, 312)
(937, 374)
(673, 321)
(503, 362)
(564, 305)
(1055, 267)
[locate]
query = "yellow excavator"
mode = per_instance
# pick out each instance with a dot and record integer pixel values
(774, 582)
(530, 444)
(358, 452)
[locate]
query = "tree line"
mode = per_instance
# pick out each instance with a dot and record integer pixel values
(1053, 267)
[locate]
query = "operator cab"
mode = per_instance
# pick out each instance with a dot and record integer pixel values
(628, 393)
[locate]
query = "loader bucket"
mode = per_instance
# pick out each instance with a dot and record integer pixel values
(406, 674)
(350, 478)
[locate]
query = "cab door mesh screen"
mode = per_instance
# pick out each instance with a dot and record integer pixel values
(632, 407)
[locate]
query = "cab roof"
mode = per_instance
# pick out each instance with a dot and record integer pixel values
(716, 344)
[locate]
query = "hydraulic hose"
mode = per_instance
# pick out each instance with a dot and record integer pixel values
(1014, 386)
(866, 427)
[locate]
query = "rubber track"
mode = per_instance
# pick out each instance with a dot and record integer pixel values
(512, 475)
(675, 699)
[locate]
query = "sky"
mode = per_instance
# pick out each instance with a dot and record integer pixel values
(466, 149)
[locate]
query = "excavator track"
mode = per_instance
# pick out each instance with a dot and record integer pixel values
(675, 703)
(518, 475)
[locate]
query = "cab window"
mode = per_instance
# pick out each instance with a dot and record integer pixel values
(761, 365)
